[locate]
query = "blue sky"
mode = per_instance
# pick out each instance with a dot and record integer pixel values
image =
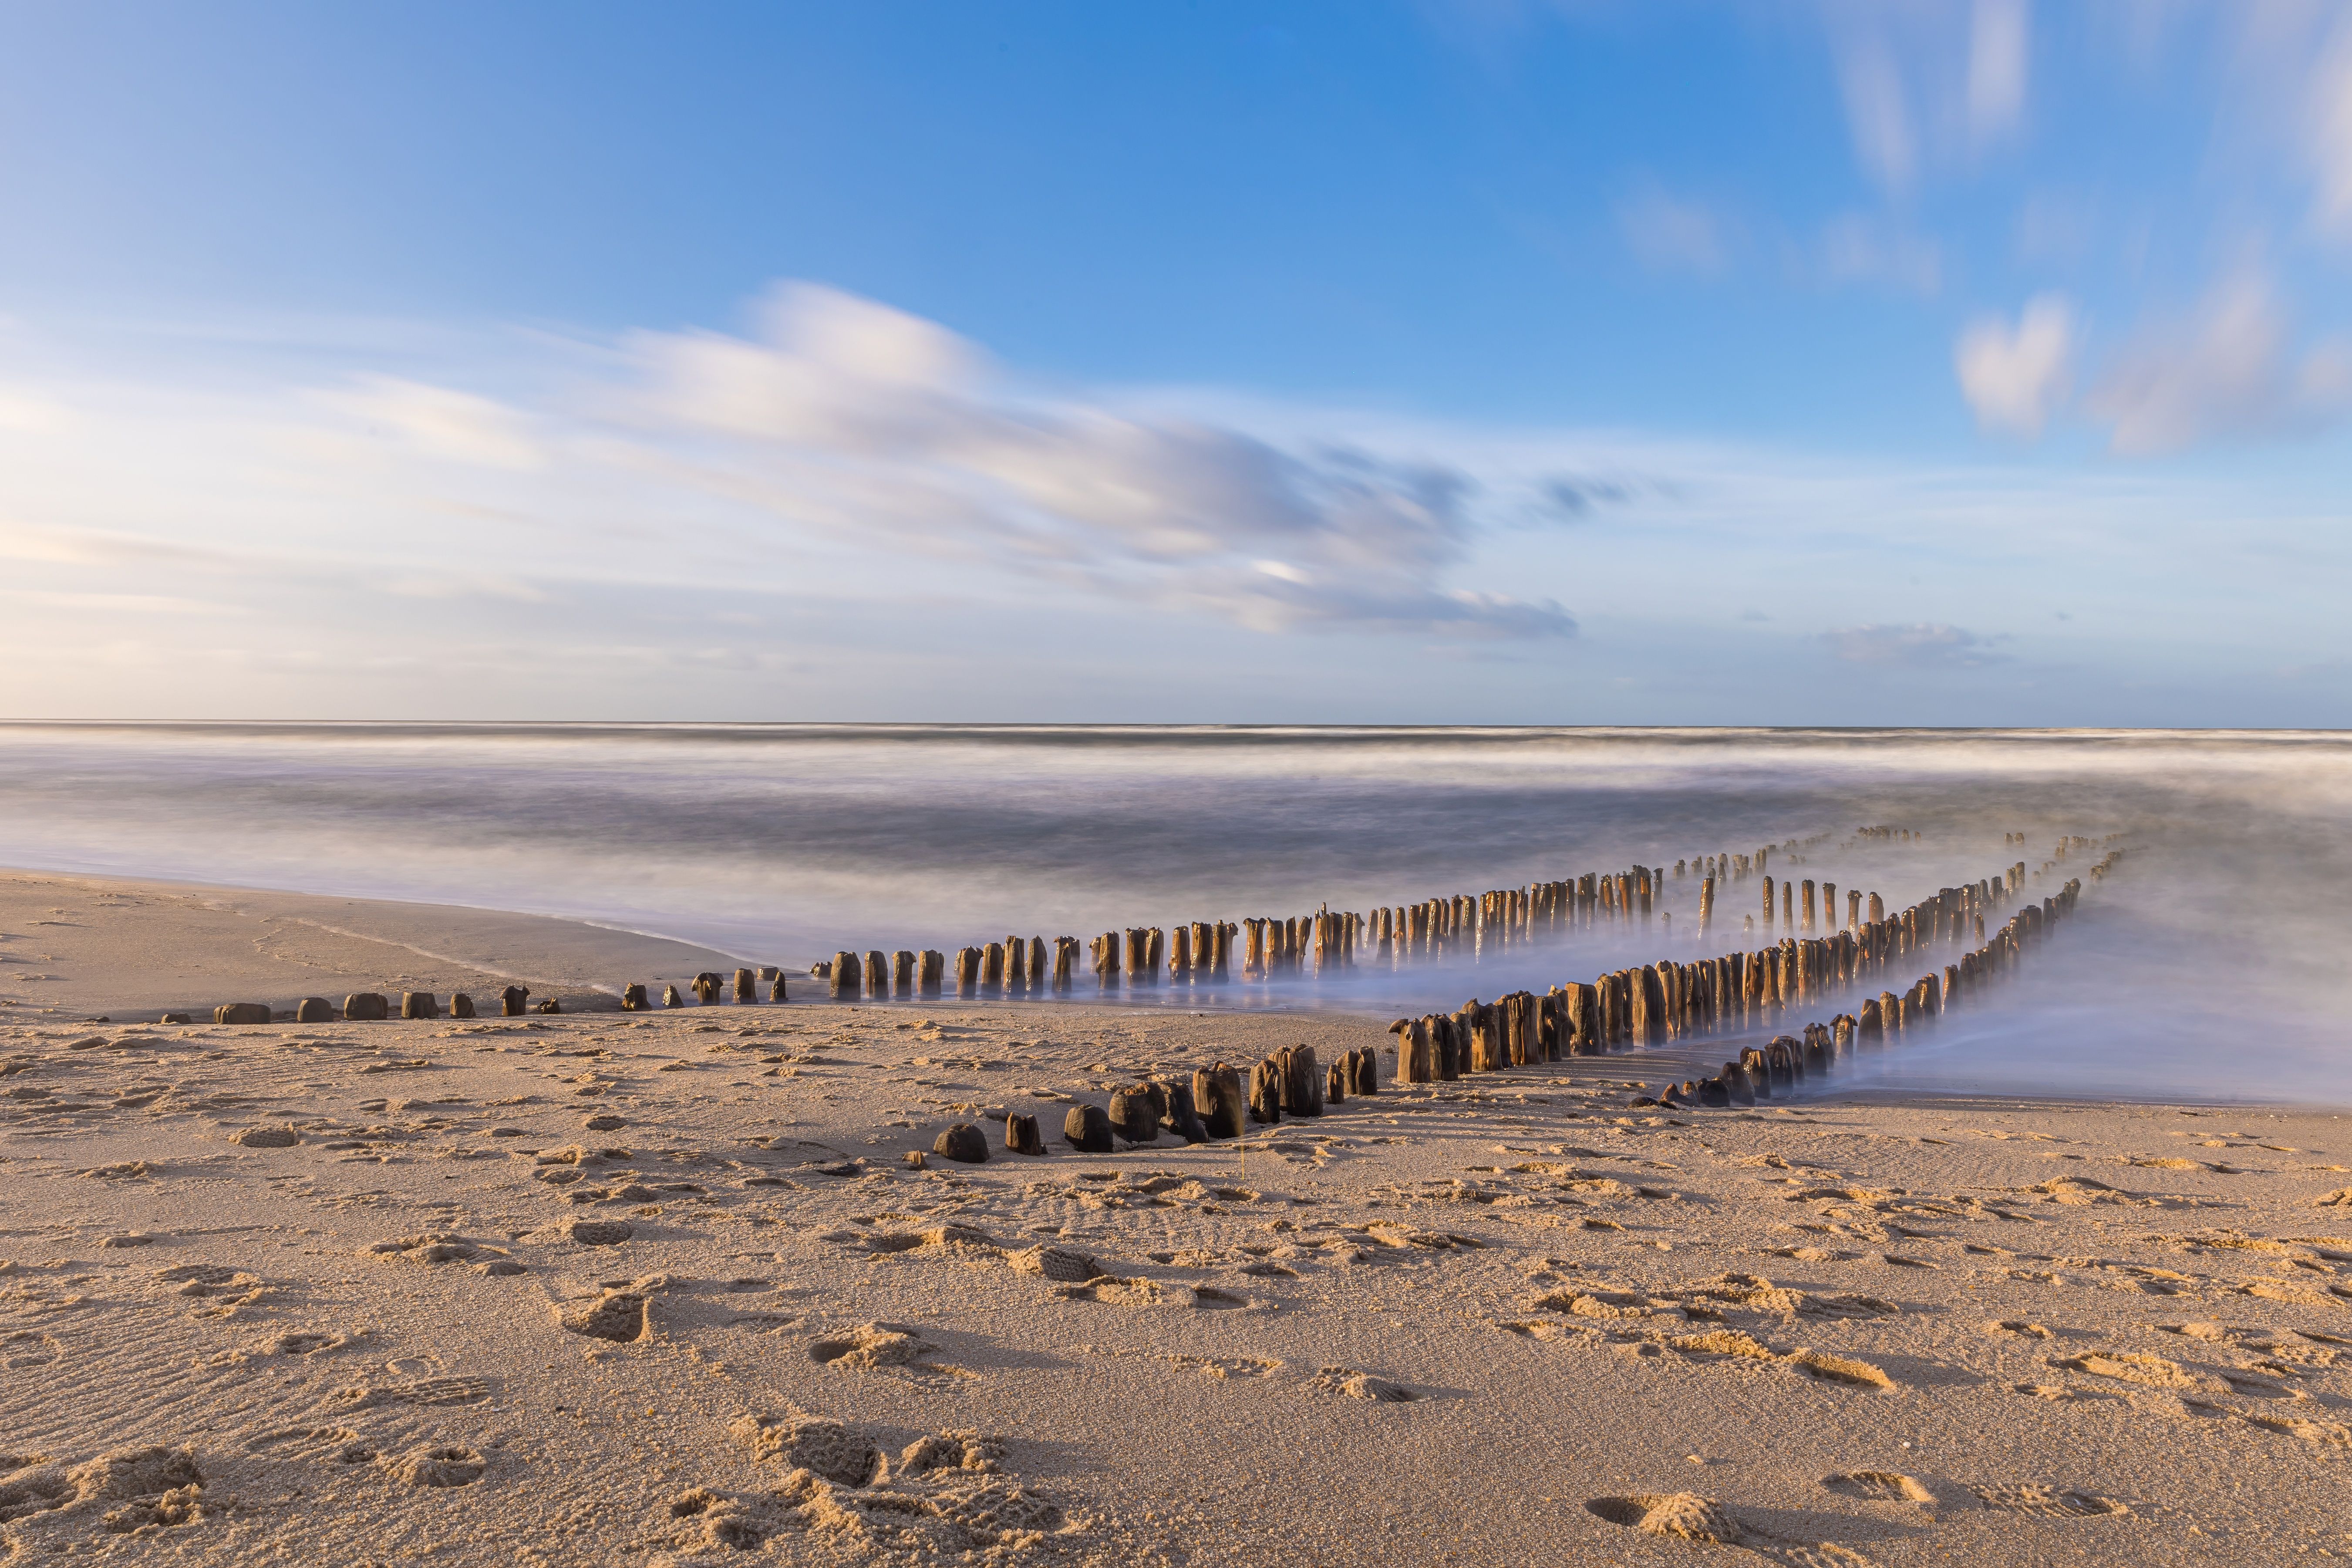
(1979, 362)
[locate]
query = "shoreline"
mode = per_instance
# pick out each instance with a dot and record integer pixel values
(218, 930)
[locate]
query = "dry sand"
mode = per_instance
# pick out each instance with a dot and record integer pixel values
(608, 1288)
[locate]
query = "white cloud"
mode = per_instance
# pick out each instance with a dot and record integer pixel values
(1922, 647)
(1674, 235)
(2013, 379)
(1856, 249)
(1999, 32)
(846, 409)
(1877, 110)
(458, 427)
(2331, 131)
(2228, 371)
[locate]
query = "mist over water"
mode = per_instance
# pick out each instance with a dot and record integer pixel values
(2211, 964)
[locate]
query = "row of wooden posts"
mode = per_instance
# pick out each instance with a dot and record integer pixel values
(370, 1007)
(1631, 1008)
(1213, 1103)
(1271, 947)
(1665, 1001)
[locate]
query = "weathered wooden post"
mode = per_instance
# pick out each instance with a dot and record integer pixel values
(844, 974)
(1265, 1092)
(671, 998)
(1021, 1136)
(1179, 957)
(1302, 1080)
(877, 975)
(1086, 1129)
(992, 970)
(968, 963)
(902, 974)
(510, 1001)
(1768, 903)
(1217, 1096)
(633, 998)
(1413, 1064)
(932, 963)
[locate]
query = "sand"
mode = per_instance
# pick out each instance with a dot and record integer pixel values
(611, 1288)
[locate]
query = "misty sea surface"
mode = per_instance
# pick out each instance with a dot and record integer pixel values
(2210, 964)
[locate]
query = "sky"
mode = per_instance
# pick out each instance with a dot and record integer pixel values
(1692, 361)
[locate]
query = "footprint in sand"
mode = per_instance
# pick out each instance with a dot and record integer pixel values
(869, 1347)
(1223, 1367)
(1353, 1384)
(334, 1445)
(439, 1467)
(1686, 1516)
(2048, 1501)
(1880, 1486)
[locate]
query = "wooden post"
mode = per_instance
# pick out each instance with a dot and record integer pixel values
(1179, 957)
(1809, 904)
(1021, 1135)
(1265, 1092)
(747, 985)
(902, 974)
(877, 976)
(968, 963)
(1217, 1096)
(1768, 903)
(848, 971)
(933, 962)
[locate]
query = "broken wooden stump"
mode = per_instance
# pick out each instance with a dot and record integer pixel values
(902, 974)
(1265, 1092)
(1217, 1097)
(671, 998)
(314, 1010)
(877, 976)
(418, 1005)
(461, 1005)
(1133, 1115)
(933, 964)
(1088, 1129)
(963, 1143)
(967, 973)
(747, 985)
(510, 1001)
(1182, 1117)
(1021, 1135)
(366, 1007)
(633, 998)
(241, 1013)
(1302, 1081)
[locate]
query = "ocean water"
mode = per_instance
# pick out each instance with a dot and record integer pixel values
(2210, 964)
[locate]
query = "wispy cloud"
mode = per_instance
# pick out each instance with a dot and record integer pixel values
(1673, 234)
(1924, 647)
(861, 412)
(2228, 371)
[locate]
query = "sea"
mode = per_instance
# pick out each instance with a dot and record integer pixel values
(2209, 961)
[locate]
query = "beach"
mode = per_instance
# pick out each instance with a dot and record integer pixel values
(693, 1286)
